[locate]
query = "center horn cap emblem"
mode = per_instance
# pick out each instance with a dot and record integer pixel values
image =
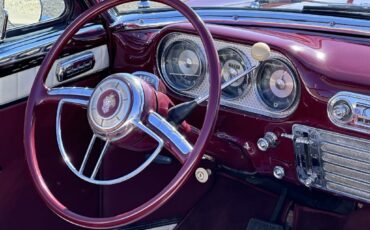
(109, 106)
(109, 102)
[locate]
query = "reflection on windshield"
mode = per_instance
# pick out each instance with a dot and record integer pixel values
(297, 5)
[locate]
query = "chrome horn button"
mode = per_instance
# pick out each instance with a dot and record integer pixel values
(110, 106)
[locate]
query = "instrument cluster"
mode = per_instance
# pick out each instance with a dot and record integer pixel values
(271, 90)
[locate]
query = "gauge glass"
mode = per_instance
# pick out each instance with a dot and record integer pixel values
(277, 84)
(233, 64)
(183, 65)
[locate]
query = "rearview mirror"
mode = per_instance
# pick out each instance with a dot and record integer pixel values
(23, 12)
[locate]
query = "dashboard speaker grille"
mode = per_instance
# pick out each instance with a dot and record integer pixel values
(333, 162)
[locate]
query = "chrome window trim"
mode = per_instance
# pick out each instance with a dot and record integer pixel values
(15, 50)
(278, 18)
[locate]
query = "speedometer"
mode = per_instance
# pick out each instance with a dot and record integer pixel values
(277, 84)
(183, 65)
(233, 63)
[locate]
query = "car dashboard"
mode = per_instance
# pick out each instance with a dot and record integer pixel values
(302, 116)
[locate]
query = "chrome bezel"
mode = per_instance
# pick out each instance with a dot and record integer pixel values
(198, 50)
(248, 65)
(296, 88)
(249, 102)
(353, 100)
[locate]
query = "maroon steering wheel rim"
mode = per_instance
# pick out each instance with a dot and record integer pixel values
(39, 90)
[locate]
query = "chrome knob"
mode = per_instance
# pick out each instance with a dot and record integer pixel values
(266, 142)
(279, 172)
(202, 175)
(310, 180)
(341, 111)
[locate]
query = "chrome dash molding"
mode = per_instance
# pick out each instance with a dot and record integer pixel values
(232, 15)
(75, 65)
(357, 116)
(36, 45)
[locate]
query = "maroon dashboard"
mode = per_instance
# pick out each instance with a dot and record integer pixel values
(315, 136)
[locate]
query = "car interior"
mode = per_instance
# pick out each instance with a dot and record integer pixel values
(185, 118)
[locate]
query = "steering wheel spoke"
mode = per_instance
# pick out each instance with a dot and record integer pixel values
(174, 141)
(72, 95)
(114, 100)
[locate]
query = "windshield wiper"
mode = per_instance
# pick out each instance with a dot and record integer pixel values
(352, 11)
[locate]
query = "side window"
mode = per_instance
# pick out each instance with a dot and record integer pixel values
(23, 13)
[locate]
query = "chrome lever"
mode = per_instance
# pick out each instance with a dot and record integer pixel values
(298, 140)
(203, 98)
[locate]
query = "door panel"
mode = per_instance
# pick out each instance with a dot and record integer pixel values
(18, 85)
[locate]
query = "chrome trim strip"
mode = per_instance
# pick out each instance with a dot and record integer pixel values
(76, 65)
(15, 50)
(327, 23)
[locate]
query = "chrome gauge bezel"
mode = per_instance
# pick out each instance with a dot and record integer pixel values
(296, 87)
(247, 64)
(248, 102)
(162, 63)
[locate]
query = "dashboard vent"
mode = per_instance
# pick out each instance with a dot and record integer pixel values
(333, 162)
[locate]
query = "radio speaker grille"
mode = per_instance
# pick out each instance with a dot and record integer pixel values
(333, 162)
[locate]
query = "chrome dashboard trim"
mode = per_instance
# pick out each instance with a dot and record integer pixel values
(35, 45)
(75, 65)
(232, 15)
(359, 111)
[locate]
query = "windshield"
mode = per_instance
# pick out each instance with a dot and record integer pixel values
(348, 6)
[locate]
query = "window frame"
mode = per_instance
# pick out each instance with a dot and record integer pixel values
(53, 22)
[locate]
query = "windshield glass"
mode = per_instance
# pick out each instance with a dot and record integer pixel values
(362, 6)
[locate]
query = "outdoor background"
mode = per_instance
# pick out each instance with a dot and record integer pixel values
(55, 8)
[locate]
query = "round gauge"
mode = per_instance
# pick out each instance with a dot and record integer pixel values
(277, 84)
(183, 65)
(233, 64)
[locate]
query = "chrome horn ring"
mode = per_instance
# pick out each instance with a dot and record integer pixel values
(115, 109)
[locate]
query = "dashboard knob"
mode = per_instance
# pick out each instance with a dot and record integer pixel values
(310, 180)
(202, 175)
(266, 142)
(279, 172)
(342, 111)
(260, 51)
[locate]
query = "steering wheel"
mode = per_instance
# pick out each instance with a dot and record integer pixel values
(119, 109)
